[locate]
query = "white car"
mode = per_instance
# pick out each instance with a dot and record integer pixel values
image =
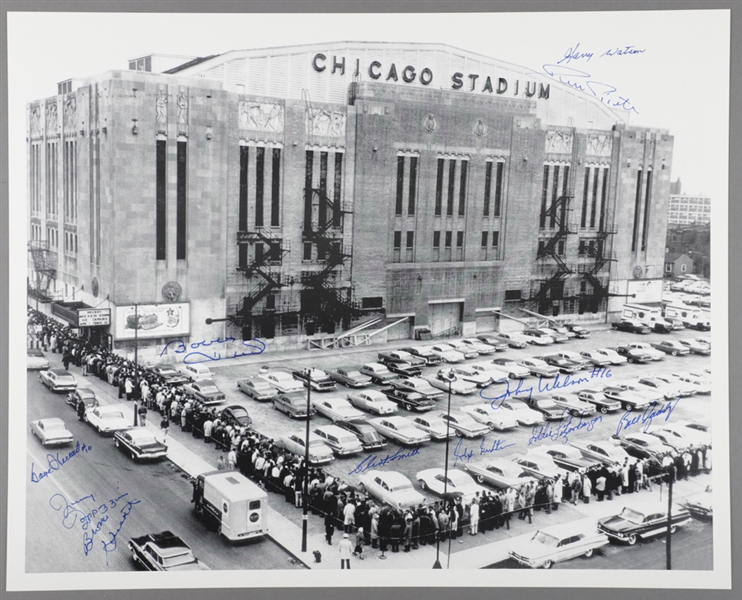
(435, 427)
(51, 432)
(476, 377)
(447, 353)
(465, 349)
(458, 386)
(514, 340)
(699, 430)
(400, 430)
(494, 419)
(464, 424)
(602, 450)
(392, 488)
(341, 441)
(337, 409)
(108, 419)
(556, 544)
(372, 401)
(499, 472)
(35, 360)
(140, 443)
(701, 385)
(283, 382)
(648, 348)
(459, 484)
(540, 467)
(576, 358)
(696, 347)
(319, 452)
(683, 387)
(511, 367)
(538, 367)
(522, 413)
(614, 357)
(479, 346)
(496, 374)
(58, 380)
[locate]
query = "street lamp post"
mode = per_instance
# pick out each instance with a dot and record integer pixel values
(305, 491)
(449, 377)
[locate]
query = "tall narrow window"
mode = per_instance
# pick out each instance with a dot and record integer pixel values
(413, 186)
(410, 239)
(161, 209)
(400, 185)
(459, 239)
(565, 191)
(637, 210)
(322, 215)
(439, 188)
(397, 240)
(485, 239)
(585, 196)
(436, 239)
(259, 185)
(498, 189)
(276, 188)
(647, 205)
(308, 191)
(462, 187)
(181, 205)
(554, 197)
(593, 208)
(495, 239)
(242, 216)
(451, 186)
(449, 238)
(604, 200)
(338, 189)
(544, 198)
(487, 185)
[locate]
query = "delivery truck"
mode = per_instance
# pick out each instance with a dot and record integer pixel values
(651, 315)
(690, 316)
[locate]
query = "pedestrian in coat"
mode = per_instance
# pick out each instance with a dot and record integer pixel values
(346, 550)
(142, 411)
(358, 550)
(474, 516)
(329, 528)
(586, 489)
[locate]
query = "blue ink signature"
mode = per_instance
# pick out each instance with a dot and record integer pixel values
(562, 431)
(70, 513)
(466, 454)
(110, 545)
(373, 462)
(192, 358)
(582, 82)
(627, 420)
(54, 463)
(574, 53)
(498, 400)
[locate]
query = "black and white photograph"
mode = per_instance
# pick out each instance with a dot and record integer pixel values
(413, 295)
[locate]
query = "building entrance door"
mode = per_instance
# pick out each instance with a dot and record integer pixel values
(444, 317)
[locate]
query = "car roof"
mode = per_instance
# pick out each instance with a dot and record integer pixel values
(140, 434)
(52, 422)
(61, 372)
(563, 530)
(392, 478)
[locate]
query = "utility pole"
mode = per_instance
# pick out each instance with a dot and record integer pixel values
(305, 491)
(668, 545)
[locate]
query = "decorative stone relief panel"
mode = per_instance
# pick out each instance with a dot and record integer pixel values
(255, 116)
(559, 141)
(599, 144)
(323, 121)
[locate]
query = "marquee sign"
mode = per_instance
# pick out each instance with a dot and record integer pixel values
(470, 82)
(93, 317)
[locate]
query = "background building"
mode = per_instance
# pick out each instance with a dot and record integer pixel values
(686, 209)
(295, 193)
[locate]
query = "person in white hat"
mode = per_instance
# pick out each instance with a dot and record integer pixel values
(346, 549)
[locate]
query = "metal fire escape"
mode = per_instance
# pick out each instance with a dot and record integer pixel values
(591, 271)
(553, 287)
(264, 279)
(44, 267)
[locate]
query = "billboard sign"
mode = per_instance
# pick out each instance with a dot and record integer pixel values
(152, 321)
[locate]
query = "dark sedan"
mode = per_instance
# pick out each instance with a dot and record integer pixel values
(640, 521)
(422, 352)
(84, 395)
(294, 404)
(170, 374)
(368, 436)
(565, 365)
(205, 391)
(235, 415)
(631, 326)
(409, 400)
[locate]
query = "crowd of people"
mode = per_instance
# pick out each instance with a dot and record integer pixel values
(342, 506)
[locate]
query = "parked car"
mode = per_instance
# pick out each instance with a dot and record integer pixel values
(546, 406)
(581, 361)
(676, 439)
(684, 388)
(538, 466)
(170, 374)
(494, 373)
(317, 379)
(641, 521)
(458, 386)
(643, 445)
(108, 419)
(512, 368)
(578, 330)
(513, 340)
(378, 373)
(400, 356)
(465, 425)
(611, 355)
(409, 400)
(282, 381)
(488, 340)
(480, 347)
(465, 349)
(631, 326)
(700, 504)
(646, 347)
(402, 368)
(196, 372)
(673, 347)
(368, 436)
(430, 357)
(604, 451)
(499, 472)
(557, 336)
(257, 389)
(435, 427)
(140, 444)
(633, 355)
(701, 385)
(566, 457)
(341, 441)
(372, 401)
(164, 552)
(319, 452)
(458, 484)
(556, 544)
(573, 404)
(83, 395)
(522, 413)
(337, 409)
(349, 377)
(293, 404)
(599, 400)
(537, 337)
(400, 430)
(58, 380)
(392, 488)
(35, 360)
(630, 399)
(447, 353)
(564, 365)
(467, 373)
(696, 347)
(416, 384)
(494, 419)
(236, 416)
(205, 391)
(670, 392)
(538, 367)
(695, 429)
(51, 432)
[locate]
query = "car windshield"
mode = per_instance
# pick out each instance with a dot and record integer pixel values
(178, 559)
(239, 412)
(546, 404)
(112, 415)
(545, 539)
(209, 389)
(631, 515)
(401, 487)
(316, 443)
